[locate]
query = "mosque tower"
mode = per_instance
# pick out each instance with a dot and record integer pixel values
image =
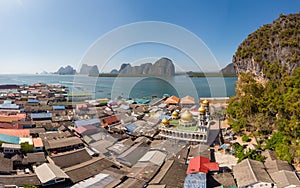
(202, 116)
(205, 103)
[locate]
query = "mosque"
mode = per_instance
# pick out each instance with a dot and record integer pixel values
(190, 128)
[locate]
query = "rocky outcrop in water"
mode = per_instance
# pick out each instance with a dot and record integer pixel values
(162, 67)
(114, 71)
(89, 70)
(68, 70)
(228, 69)
(272, 51)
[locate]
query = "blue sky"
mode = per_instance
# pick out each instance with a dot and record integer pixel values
(37, 35)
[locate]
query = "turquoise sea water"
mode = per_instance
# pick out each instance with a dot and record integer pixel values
(134, 87)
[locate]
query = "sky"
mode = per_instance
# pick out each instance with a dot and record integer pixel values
(43, 35)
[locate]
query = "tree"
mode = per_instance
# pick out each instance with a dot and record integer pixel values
(245, 138)
(26, 147)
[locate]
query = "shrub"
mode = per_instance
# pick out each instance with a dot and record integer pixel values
(245, 138)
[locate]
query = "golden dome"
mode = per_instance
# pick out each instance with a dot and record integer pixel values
(205, 102)
(201, 110)
(175, 113)
(165, 121)
(187, 115)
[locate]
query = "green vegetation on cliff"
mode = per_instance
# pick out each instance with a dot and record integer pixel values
(267, 101)
(273, 50)
(273, 109)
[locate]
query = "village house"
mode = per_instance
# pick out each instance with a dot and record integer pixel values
(37, 144)
(252, 173)
(6, 166)
(95, 122)
(63, 144)
(50, 174)
(131, 156)
(11, 148)
(187, 102)
(36, 158)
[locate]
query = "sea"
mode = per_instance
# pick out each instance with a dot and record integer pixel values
(133, 87)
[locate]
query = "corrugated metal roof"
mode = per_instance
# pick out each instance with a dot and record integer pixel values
(187, 100)
(155, 157)
(172, 100)
(37, 142)
(250, 171)
(87, 122)
(195, 180)
(285, 178)
(40, 115)
(100, 180)
(88, 128)
(130, 127)
(133, 154)
(111, 120)
(59, 107)
(14, 146)
(142, 101)
(9, 105)
(16, 132)
(162, 116)
(47, 172)
(201, 164)
(33, 101)
(125, 107)
(64, 142)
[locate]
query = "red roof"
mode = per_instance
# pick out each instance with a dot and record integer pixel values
(81, 106)
(16, 132)
(201, 164)
(8, 119)
(172, 100)
(187, 100)
(111, 120)
(11, 118)
(83, 129)
(11, 126)
(37, 142)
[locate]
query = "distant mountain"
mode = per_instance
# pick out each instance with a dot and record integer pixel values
(228, 69)
(68, 70)
(162, 67)
(89, 70)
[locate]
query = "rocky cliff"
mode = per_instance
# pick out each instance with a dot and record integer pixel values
(89, 70)
(162, 67)
(272, 51)
(267, 100)
(68, 70)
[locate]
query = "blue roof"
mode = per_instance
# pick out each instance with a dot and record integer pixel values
(40, 115)
(195, 180)
(224, 146)
(7, 102)
(59, 107)
(142, 101)
(130, 128)
(125, 107)
(87, 122)
(9, 139)
(162, 116)
(33, 101)
(9, 106)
